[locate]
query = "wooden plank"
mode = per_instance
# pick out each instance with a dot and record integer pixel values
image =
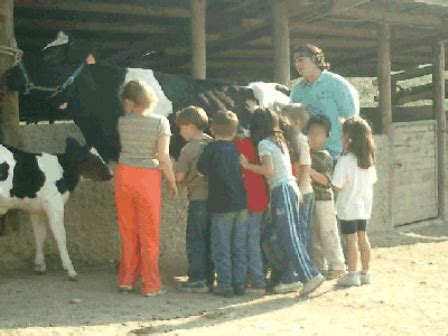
(127, 8)
(81, 25)
(390, 17)
(414, 215)
(414, 140)
(404, 178)
(439, 94)
(422, 153)
(325, 43)
(414, 164)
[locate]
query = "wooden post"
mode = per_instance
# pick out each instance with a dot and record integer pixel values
(9, 106)
(385, 105)
(198, 38)
(384, 78)
(280, 42)
(438, 80)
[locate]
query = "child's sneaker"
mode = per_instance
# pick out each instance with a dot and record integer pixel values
(226, 292)
(254, 289)
(312, 284)
(239, 290)
(349, 279)
(365, 277)
(126, 289)
(193, 287)
(161, 291)
(331, 275)
(283, 288)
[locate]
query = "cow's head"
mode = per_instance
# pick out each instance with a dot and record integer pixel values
(56, 62)
(88, 162)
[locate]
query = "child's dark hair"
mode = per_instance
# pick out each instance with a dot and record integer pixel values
(266, 123)
(321, 120)
(192, 115)
(224, 123)
(313, 52)
(360, 141)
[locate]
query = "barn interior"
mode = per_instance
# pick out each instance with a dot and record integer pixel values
(398, 45)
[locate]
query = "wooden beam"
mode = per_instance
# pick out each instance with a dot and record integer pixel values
(439, 87)
(281, 42)
(385, 104)
(394, 18)
(416, 93)
(127, 8)
(384, 77)
(325, 43)
(297, 28)
(442, 3)
(198, 38)
(81, 25)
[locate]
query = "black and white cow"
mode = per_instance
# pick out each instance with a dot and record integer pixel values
(41, 183)
(92, 97)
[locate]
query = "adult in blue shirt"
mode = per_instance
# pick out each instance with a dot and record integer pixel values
(323, 92)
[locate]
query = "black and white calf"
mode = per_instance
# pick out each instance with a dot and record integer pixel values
(91, 98)
(41, 183)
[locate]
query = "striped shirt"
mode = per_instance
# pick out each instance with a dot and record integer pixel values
(139, 136)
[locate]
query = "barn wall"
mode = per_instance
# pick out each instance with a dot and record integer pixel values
(91, 223)
(415, 172)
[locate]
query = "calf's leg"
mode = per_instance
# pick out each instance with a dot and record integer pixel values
(40, 234)
(55, 213)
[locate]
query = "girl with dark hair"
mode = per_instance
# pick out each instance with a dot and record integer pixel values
(276, 167)
(353, 178)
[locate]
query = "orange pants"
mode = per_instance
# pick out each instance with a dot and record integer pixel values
(138, 200)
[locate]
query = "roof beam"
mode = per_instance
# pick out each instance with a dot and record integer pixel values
(393, 18)
(102, 7)
(89, 26)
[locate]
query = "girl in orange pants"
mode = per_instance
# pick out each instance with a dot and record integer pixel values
(145, 139)
(138, 201)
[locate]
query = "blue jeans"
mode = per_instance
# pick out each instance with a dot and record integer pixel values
(285, 218)
(200, 266)
(304, 231)
(254, 258)
(305, 213)
(229, 240)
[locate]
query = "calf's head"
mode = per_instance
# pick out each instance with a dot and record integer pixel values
(88, 162)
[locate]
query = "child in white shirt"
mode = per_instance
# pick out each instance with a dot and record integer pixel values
(353, 179)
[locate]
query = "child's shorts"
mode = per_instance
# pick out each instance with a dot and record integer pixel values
(353, 226)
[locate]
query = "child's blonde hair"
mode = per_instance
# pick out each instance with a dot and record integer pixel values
(139, 93)
(296, 112)
(360, 141)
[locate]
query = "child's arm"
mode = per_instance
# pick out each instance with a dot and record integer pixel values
(339, 176)
(304, 171)
(319, 178)
(266, 168)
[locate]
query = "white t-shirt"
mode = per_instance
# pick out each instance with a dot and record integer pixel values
(355, 200)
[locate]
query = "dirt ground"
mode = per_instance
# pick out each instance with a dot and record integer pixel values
(409, 296)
